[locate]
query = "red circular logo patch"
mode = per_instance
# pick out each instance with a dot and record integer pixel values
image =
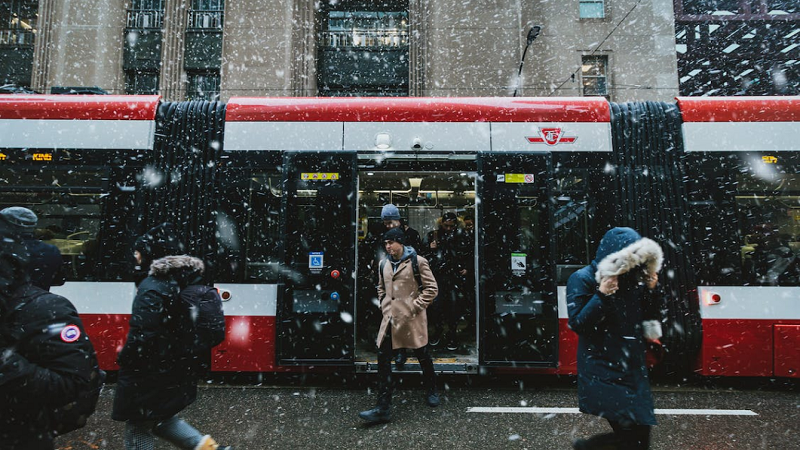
(70, 333)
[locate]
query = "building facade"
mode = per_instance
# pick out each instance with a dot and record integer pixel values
(206, 49)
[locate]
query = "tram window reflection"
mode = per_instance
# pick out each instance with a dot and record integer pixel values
(571, 223)
(73, 207)
(769, 218)
(248, 224)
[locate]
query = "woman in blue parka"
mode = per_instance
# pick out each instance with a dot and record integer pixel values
(615, 308)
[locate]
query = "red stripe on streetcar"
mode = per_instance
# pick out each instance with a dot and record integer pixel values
(415, 109)
(740, 109)
(81, 107)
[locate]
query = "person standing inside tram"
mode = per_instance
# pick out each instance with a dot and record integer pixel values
(614, 306)
(405, 323)
(446, 251)
(158, 371)
(46, 264)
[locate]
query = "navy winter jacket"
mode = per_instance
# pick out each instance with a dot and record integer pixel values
(612, 374)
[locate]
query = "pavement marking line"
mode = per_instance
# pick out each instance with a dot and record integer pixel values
(674, 412)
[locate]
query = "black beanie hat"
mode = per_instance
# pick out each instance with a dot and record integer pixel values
(159, 242)
(395, 234)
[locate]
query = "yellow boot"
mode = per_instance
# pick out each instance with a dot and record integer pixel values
(207, 443)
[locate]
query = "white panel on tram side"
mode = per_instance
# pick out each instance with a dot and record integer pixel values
(243, 136)
(250, 299)
(741, 136)
(562, 302)
(88, 134)
(98, 297)
(552, 137)
(750, 302)
(430, 136)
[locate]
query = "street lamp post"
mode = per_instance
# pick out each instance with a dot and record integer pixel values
(532, 34)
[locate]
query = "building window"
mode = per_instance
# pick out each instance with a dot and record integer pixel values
(203, 86)
(146, 14)
(141, 82)
(363, 29)
(18, 22)
(711, 7)
(594, 72)
(593, 9)
(364, 53)
(207, 14)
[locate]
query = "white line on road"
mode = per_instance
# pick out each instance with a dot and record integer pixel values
(676, 412)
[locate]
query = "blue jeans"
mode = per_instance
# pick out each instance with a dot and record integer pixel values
(141, 435)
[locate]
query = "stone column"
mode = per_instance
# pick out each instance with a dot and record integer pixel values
(172, 80)
(417, 48)
(304, 55)
(42, 46)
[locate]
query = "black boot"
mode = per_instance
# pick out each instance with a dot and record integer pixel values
(378, 414)
(432, 398)
(400, 360)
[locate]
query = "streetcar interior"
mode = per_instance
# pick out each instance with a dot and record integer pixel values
(422, 198)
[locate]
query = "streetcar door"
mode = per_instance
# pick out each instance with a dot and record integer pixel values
(517, 293)
(315, 308)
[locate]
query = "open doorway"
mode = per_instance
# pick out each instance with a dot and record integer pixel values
(424, 200)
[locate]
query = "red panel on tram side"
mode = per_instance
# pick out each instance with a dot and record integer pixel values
(787, 350)
(249, 345)
(736, 347)
(739, 109)
(567, 349)
(82, 107)
(415, 109)
(107, 333)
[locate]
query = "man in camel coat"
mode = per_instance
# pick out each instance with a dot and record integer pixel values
(404, 296)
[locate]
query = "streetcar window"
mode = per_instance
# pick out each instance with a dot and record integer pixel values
(746, 222)
(86, 213)
(768, 208)
(571, 222)
(248, 227)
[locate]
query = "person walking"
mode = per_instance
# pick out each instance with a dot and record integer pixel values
(46, 358)
(158, 370)
(614, 306)
(390, 216)
(45, 265)
(405, 324)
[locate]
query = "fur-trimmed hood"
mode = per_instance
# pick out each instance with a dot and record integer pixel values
(170, 264)
(622, 249)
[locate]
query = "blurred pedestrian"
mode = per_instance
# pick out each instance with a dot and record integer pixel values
(158, 371)
(46, 358)
(614, 306)
(405, 324)
(449, 254)
(45, 266)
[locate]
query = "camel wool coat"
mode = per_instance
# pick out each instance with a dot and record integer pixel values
(403, 304)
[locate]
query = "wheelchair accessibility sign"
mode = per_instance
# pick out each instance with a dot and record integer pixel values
(315, 260)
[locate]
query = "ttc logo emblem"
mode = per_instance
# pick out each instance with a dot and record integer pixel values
(551, 136)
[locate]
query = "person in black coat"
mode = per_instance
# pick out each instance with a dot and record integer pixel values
(45, 266)
(615, 308)
(158, 371)
(46, 358)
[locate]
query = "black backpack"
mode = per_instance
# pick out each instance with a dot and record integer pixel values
(74, 415)
(209, 320)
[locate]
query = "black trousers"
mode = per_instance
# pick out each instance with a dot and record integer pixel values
(626, 436)
(385, 379)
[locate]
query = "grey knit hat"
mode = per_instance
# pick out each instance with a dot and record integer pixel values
(23, 219)
(390, 212)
